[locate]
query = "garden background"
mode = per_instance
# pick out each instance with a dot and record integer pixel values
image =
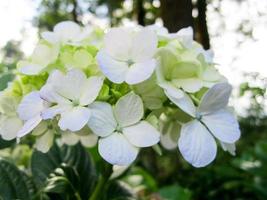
(235, 29)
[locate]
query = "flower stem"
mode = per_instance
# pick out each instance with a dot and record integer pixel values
(101, 184)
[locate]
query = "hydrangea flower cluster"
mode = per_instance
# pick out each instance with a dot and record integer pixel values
(122, 89)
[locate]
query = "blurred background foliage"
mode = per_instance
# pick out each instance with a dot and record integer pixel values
(69, 173)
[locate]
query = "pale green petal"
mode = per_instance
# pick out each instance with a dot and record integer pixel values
(45, 141)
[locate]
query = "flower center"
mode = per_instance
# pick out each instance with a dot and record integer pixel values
(75, 102)
(119, 129)
(198, 116)
(130, 62)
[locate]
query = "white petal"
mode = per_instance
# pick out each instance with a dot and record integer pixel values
(172, 91)
(142, 134)
(30, 106)
(129, 109)
(45, 141)
(28, 68)
(29, 125)
(70, 86)
(118, 42)
(50, 113)
(140, 72)
(116, 150)
(49, 94)
(10, 127)
(102, 121)
(114, 70)
(74, 119)
(186, 36)
(69, 138)
(223, 125)
(89, 140)
(144, 45)
(90, 90)
(196, 144)
(191, 85)
(184, 103)
(67, 31)
(216, 98)
(50, 37)
(229, 147)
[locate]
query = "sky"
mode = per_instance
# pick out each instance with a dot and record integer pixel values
(233, 60)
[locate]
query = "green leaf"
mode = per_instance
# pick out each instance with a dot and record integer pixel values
(175, 192)
(68, 166)
(4, 79)
(4, 143)
(15, 184)
(118, 190)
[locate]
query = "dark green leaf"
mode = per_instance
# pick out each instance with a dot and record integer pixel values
(118, 190)
(15, 184)
(5, 143)
(175, 192)
(69, 166)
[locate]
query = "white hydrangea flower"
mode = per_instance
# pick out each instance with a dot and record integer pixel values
(85, 136)
(71, 93)
(66, 32)
(42, 56)
(184, 35)
(29, 110)
(121, 129)
(212, 119)
(10, 123)
(128, 55)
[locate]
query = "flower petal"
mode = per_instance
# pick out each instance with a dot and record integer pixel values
(30, 106)
(229, 147)
(114, 70)
(215, 98)
(70, 85)
(118, 42)
(69, 138)
(29, 68)
(45, 141)
(142, 134)
(51, 112)
(191, 85)
(50, 37)
(89, 140)
(129, 109)
(90, 90)
(49, 94)
(144, 45)
(184, 103)
(196, 144)
(172, 91)
(10, 127)
(116, 150)
(74, 119)
(67, 31)
(140, 72)
(29, 125)
(102, 121)
(223, 125)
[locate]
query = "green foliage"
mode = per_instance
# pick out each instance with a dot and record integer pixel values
(66, 170)
(15, 184)
(175, 192)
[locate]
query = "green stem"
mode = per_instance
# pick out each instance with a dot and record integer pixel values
(101, 184)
